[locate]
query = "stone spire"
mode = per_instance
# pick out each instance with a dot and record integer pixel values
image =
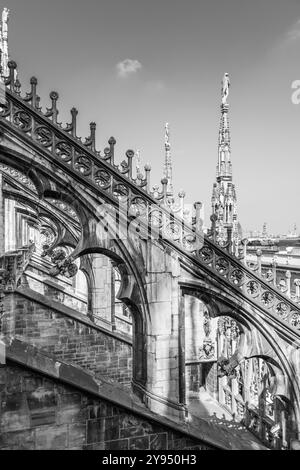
(168, 162)
(224, 196)
(4, 42)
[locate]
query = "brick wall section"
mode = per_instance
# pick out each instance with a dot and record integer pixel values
(67, 339)
(39, 413)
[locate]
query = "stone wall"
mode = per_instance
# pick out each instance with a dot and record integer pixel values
(67, 339)
(199, 375)
(39, 413)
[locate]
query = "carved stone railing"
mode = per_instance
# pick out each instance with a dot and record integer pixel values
(250, 284)
(117, 184)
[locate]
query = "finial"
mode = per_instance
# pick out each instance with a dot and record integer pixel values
(112, 141)
(109, 151)
(72, 127)
(147, 169)
(53, 112)
(34, 100)
(12, 66)
(91, 140)
(129, 155)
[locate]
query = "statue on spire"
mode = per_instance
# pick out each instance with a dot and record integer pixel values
(225, 88)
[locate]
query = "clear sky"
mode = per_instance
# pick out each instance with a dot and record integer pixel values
(178, 51)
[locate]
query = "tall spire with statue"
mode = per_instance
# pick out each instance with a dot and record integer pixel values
(224, 202)
(4, 42)
(168, 162)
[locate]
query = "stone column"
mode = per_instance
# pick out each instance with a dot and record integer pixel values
(165, 336)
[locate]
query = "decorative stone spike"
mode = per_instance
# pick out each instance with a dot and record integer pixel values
(93, 136)
(53, 112)
(112, 142)
(12, 66)
(33, 83)
(129, 155)
(73, 126)
(147, 169)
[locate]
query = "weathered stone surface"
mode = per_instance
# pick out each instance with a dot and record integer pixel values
(78, 420)
(68, 339)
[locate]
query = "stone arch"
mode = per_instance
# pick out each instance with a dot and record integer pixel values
(267, 345)
(129, 293)
(125, 257)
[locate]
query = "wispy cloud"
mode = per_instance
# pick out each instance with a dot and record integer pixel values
(128, 67)
(294, 33)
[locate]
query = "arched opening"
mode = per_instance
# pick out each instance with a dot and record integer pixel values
(122, 314)
(221, 387)
(200, 357)
(111, 309)
(247, 391)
